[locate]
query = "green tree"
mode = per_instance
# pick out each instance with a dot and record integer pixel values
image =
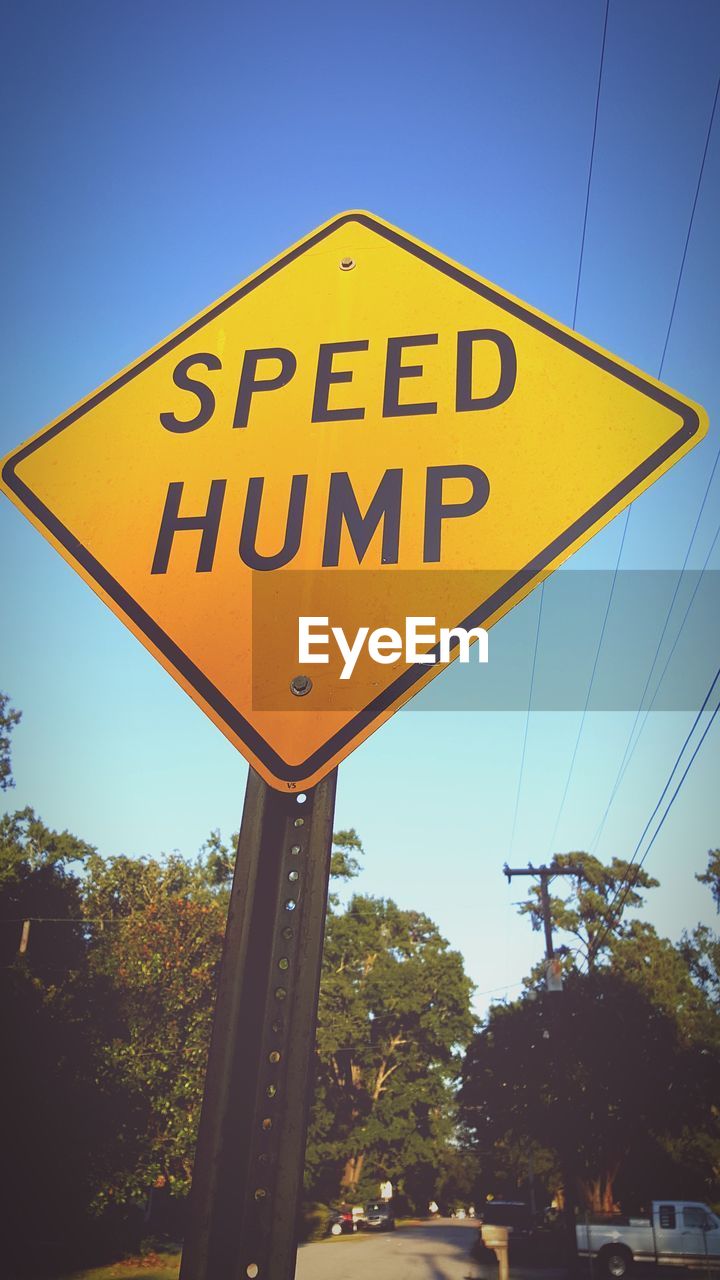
(661, 970)
(599, 1076)
(701, 948)
(112, 1002)
(711, 875)
(156, 928)
(39, 883)
(346, 854)
(157, 941)
(394, 1008)
(57, 1119)
(593, 912)
(8, 719)
(639, 1036)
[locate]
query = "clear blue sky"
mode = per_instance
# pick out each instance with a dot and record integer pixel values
(154, 154)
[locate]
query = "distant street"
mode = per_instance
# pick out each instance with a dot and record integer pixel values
(435, 1251)
(438, 1251)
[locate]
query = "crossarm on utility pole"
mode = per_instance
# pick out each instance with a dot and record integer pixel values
(544, 875)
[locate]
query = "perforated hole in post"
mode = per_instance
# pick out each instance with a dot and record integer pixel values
(252, 1270)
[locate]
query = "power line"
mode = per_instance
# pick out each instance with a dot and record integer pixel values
(509, 986)
(671, 801)
(626, 758)
(598, 651)
(67, 919)
(527, 717)
(660, 369)
(590, 167)
(630, 750)
(669, 658)
(626, 885)
(657, 831)
(690, 225)
(678, 758)
(575, 308)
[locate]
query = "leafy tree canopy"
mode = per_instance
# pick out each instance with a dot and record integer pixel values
(39, 883)
(157, 941)
(8, 719)
(599, 1075)
(613, 1076)
(592, 912)
(394, 1009)
(711, 875)
(701, 948)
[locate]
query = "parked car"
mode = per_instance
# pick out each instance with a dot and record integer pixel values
(378, 1216)
(681, 1233)
(342, 1223)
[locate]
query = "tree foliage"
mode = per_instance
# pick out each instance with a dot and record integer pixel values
(39, 882)
(600, 1075)
(108, 1002)
(612, 1081)
(701, 948)
(346, 854)
(159, 946)
(56, 1119)
(711, 875)
(394, 1009)
(110, 999)
(593, 912)
(9, 718)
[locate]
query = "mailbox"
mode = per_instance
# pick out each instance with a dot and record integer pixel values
(496, 1238)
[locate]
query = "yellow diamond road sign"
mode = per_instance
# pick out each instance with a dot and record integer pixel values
(361, 431)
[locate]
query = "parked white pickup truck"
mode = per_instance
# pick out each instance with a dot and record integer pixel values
(680, 1233)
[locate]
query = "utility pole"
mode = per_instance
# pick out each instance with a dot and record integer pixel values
(544, 875)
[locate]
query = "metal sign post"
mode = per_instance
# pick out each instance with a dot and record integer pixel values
(249, 1159)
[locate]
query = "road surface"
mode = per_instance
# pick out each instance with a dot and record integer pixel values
(437, 1251)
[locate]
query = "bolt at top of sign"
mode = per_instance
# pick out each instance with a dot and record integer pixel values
(361, 405)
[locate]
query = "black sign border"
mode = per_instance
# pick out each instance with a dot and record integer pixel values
(230, 716)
